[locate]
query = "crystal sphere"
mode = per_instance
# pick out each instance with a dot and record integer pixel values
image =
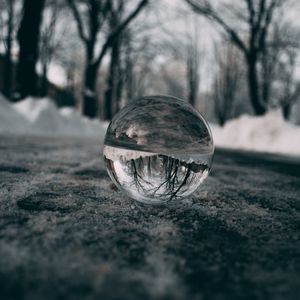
(157, 149)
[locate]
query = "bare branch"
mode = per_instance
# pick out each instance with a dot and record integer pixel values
(261, 12)
(115, 33)
(78, 19)
(205, 9)
(251, 11)
(269, 12)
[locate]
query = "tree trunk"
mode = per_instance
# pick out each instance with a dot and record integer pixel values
(119, 90)
(192, 94)
(44, 81)
(266, 86)
(253, 87)
(90, 103)
(286, 111)
(114, 86)
(129, 81)
(220, 111)
(129, 67)
(221, 120)
(192, 78)
(8, 71)
(28, 37)
(267, 80)
(8, 61)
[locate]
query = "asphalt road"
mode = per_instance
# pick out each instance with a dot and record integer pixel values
(67, 233)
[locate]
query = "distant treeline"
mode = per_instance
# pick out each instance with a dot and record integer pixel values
(113, 51)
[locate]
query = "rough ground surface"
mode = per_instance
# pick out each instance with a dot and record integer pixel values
(67, 233)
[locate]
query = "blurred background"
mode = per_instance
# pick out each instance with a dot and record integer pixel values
(68, 66)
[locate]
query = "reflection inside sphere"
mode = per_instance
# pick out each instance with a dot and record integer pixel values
(158, 149)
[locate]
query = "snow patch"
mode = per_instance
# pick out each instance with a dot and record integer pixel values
(46, 118)
(41, 113)
(11, 121)
(269, 133)
(116, 154)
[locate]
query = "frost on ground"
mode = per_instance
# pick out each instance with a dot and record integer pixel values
(269, 133)
(67, 233)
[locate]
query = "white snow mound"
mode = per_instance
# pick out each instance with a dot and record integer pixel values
(42, 114)
(269, 133)
(46, 118)
(11, 121)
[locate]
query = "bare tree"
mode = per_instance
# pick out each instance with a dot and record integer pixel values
(97, 12)
(193, 57)
(140, 45)
(291, 88)
(184, 50)
(69, 55)
(138, 72)
(49, 42)
(72, 66)
(173, 74)
(28, 37)
(129, 77)
(277, 66)
(8, 44)
(268, 66)
(8, 17)
(226, 81)
(258, 18)
(115, 77)
(281, 41)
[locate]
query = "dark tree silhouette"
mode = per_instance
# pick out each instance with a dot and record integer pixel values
(226, 81)
(49, 43)
(97, 17)
(278, 67)
(8, 46)
(8, 18)
(138, 49)
(291, 88)
(187, 49)
(28, 37)
(113, 93)
(193, 73)
(115, 81)
(258, 18)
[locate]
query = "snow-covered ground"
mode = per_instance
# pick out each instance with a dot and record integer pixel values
(11, 121)
(42, 117)
(269, 133)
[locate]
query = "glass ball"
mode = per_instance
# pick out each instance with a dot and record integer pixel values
(158, 149)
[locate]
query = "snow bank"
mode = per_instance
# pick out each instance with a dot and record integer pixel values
(78, 125)
(45, 118)
(42, 114)
(269, 133)
(11, 121)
